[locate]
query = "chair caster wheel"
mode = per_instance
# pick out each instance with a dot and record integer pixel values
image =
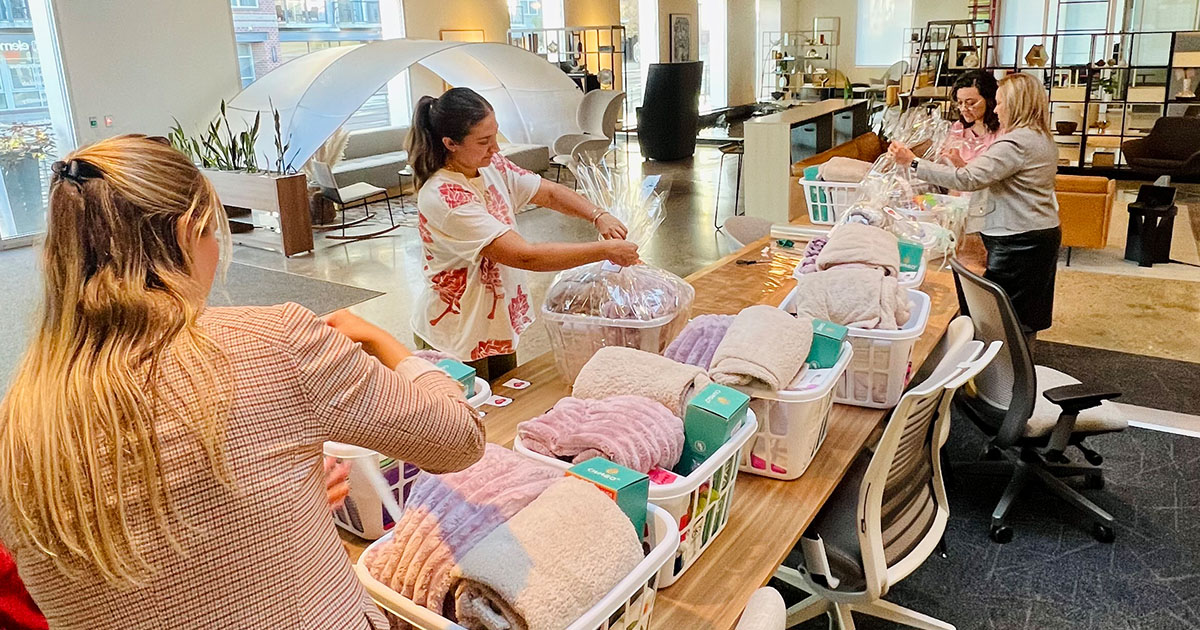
(1001, 534)
(1093, 458)
(1103, 533)
(1093, 482)
(991, 454)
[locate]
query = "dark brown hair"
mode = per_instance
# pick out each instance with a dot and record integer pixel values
(986, 84)
(452, 115)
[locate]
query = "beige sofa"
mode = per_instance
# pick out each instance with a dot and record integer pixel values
(375, 155)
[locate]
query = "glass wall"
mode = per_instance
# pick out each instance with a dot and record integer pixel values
(713, 46)
(35, 127)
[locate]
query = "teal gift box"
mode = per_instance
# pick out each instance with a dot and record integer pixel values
(910, 255)
(709, 421)
(461, 372)
(629, 488)
(826, 344)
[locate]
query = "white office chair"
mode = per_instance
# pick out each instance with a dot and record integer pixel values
(889, 513)
(764, 611)
(590, 151)
(359, 193)
(597, 118)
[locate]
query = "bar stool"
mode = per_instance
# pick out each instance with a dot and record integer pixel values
(736, 149)
(407, 171)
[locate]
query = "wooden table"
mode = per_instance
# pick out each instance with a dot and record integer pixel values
(768, 516)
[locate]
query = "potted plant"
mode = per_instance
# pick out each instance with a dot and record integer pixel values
(24, 148)
(230, 162)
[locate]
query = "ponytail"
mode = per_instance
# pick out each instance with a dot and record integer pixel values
(450, 116)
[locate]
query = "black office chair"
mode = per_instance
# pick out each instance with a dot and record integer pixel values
(1031, 413)
(669, 117)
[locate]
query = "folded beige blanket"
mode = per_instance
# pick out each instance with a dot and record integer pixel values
(620, 371)
(764, 347)
(861, 297)
(855, 243)
(844, 169)
(548, 564)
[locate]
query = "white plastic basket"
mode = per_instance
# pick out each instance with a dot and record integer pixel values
(363, 513)
(827, 200)
(880, 367)
(575, 338)
(628, 606)
(913, 279)
(698, 503)
(792, 422)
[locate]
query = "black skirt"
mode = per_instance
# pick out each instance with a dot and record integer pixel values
(1024, 265)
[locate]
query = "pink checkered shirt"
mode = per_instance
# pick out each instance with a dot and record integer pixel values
(264, 554)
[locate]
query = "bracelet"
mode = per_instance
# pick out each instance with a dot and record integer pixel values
(599, 213)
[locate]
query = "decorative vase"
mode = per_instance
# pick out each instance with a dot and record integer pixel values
(1066, 127)
(971, 60)
(1037, 57)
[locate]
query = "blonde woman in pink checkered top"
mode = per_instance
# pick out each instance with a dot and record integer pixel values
(160, 461)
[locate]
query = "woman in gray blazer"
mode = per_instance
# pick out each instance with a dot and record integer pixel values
(1021, 229)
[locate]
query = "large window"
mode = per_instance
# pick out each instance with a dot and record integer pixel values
(246, 63)
(880, 33)
(714, 87)
(244, 4)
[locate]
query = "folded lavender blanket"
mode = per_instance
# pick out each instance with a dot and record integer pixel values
(698, 340)
(809, 263)
(447, 515)
(633, 431)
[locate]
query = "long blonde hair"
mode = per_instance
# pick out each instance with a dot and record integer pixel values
(1025, 103)
(81, 473)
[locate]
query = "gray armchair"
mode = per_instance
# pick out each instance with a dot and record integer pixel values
(1171, 148)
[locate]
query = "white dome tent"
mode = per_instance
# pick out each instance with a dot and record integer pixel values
(535, 102)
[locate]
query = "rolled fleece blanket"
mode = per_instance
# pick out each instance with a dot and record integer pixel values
(855, 243)
(632, 431)
(698, 340)
(809, 263)
(446, 515)
(859, 297)
(547, 565)
(765, 347)
(616, 371)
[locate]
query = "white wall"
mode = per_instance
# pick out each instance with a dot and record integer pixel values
(425, 19)
(742, 49)
(592, 12)
(665, 9)
(145, 61)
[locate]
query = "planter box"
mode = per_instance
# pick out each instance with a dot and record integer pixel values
(284, 195)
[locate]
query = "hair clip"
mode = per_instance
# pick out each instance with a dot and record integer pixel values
(75, 170)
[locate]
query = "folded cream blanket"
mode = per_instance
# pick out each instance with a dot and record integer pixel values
(765, 347)
(548, 564)
(855, 243)
(853, 295)
(844, 169)
(632, 431)
(618, 371)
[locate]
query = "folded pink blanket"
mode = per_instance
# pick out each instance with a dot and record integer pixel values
(858, 244)
(698, 341)
(853, 295)
(446, 515)
(632, 431)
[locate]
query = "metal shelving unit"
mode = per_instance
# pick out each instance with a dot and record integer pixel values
(582, 51)
(1129, 80)
(796, 62)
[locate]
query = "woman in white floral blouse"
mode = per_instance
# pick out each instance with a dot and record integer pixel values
(475, 304)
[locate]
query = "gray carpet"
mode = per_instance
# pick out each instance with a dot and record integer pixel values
(1054, 576)
(20, 284)
(1142, 380)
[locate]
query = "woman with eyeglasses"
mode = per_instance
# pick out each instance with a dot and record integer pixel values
(1020, 221)
(975, 130)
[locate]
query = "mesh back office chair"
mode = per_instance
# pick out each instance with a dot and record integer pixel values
(1032, 413)
(890, 511)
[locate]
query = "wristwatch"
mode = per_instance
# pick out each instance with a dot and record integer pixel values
(913, 164)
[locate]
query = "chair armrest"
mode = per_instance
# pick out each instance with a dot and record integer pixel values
(1076, 398)
(566, 142)
(1192, 164)
(1136, 148)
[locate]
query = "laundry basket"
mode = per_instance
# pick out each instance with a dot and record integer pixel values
(880, 367)
(827, 200)
(913, 279)
(628, 606)
(363, 513)
(792, 422)
(698, 503)
(575, 338)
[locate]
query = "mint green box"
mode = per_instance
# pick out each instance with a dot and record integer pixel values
(709, 421)
(910, 255)
(629, 488)
(826, 344)
(461, 372)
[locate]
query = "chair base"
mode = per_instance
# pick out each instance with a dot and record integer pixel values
(840, 612)
(1029, 466)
